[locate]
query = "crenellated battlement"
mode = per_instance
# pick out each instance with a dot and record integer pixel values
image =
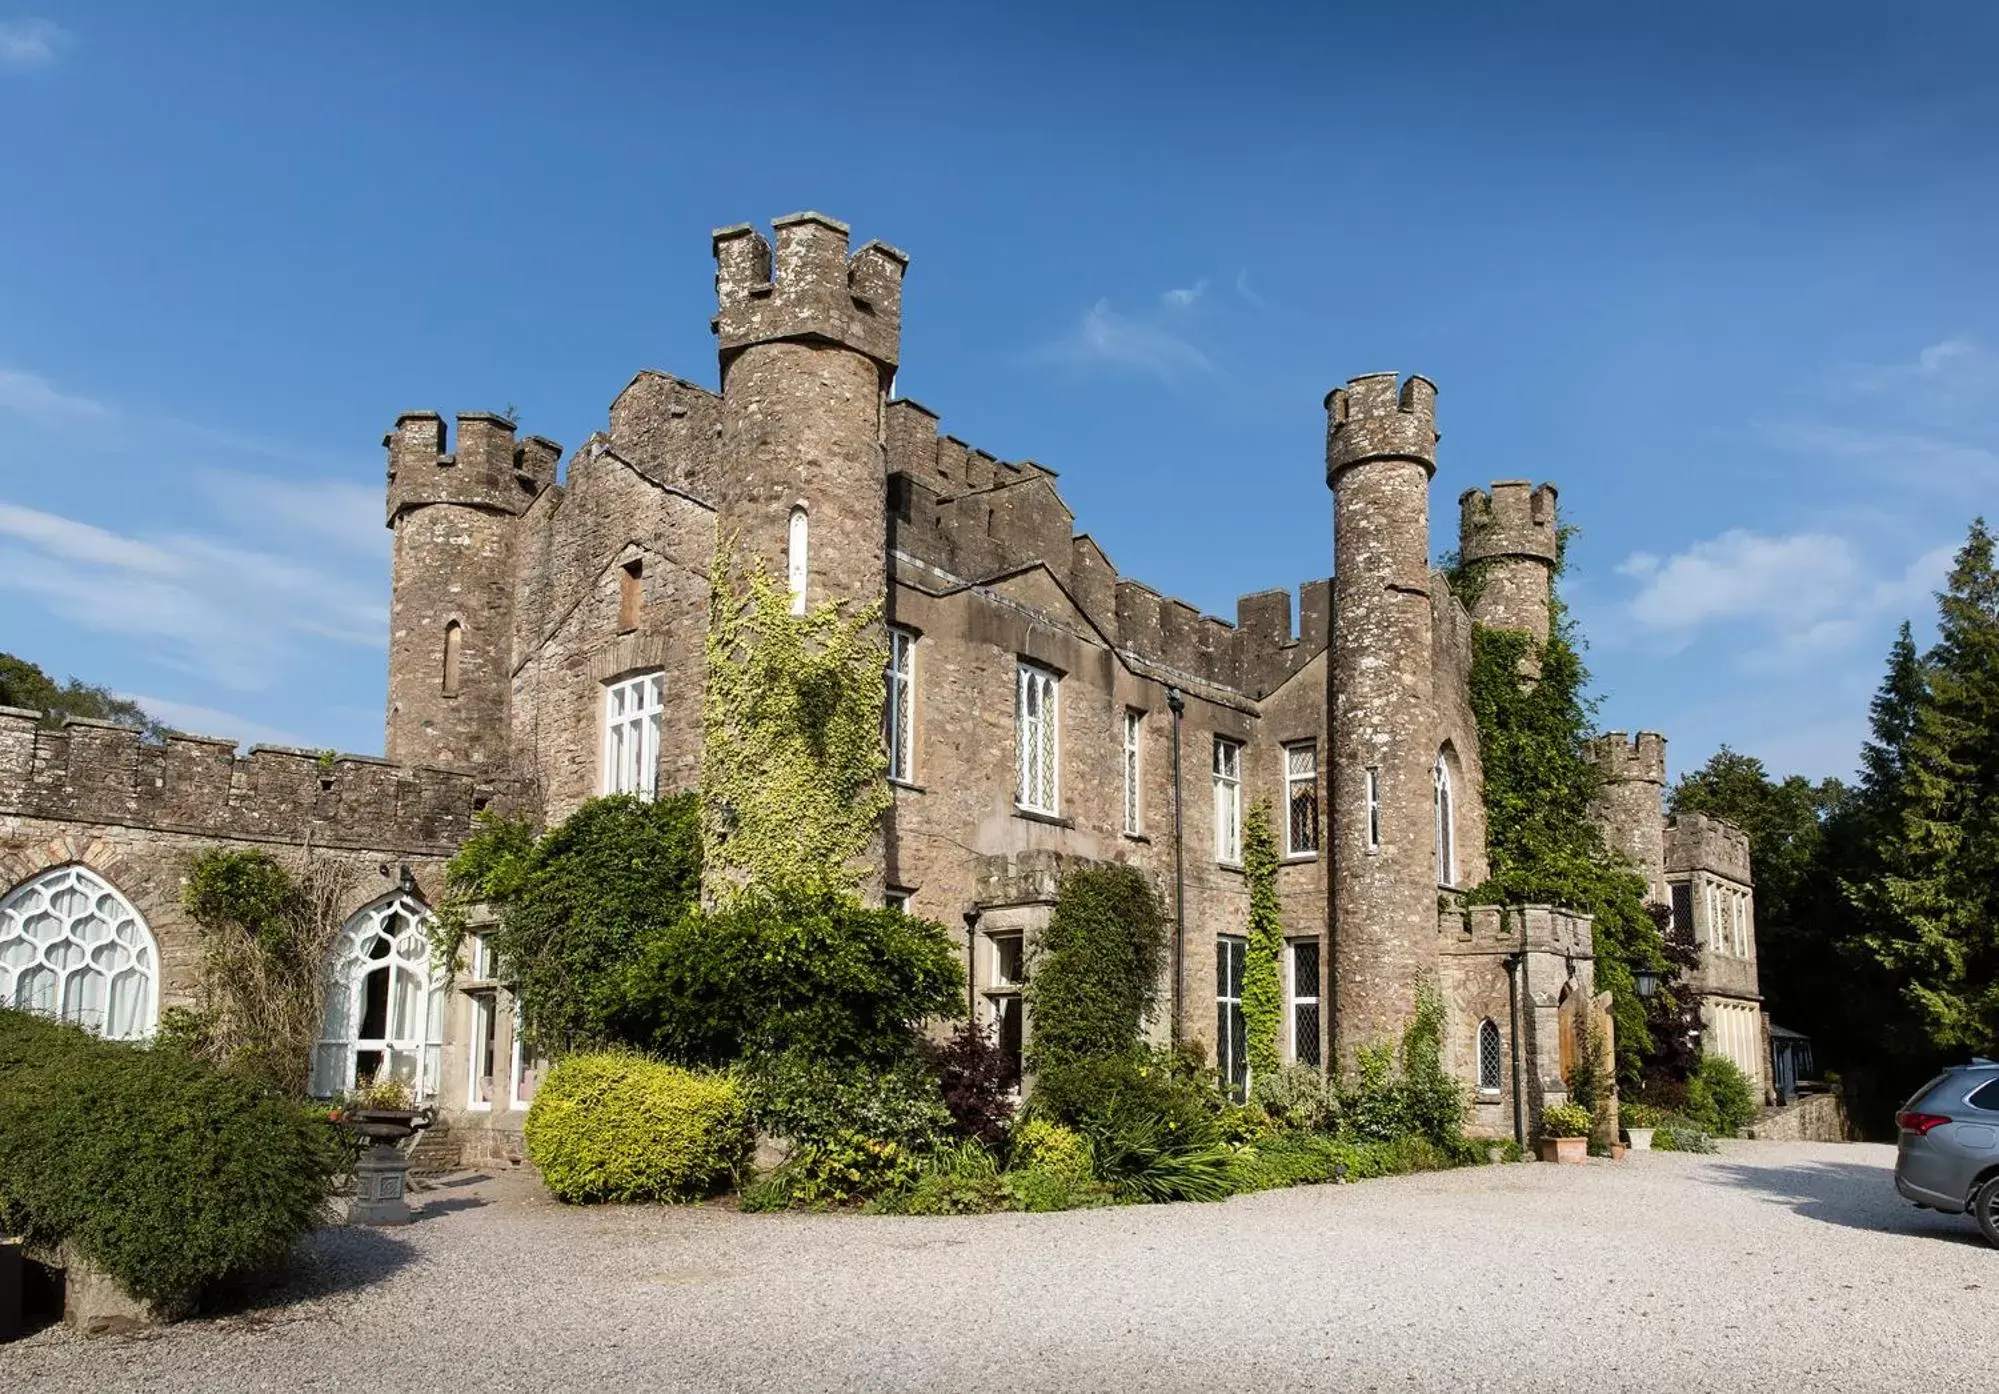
(1703, 842)
(488, 470)
(1513, 519)
(98, 772)
(811, 289)
(1487, 929)
(1369, 419)
(1271, 652)
(1638, 760)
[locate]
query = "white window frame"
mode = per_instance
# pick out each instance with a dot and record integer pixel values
(896, 899)
(518, 1064)
(1037, 728)
(418, 1038)
(1301, 994)
(1371, 808)
(1492, 1090)
(110, 966)
(484, 1020)
(633, 707)
(899, 710)
(1228, 800)
(1447, 823)
(1001, 994)
(1233, 948)
(1309, 779)
(797, 540)
(1134, 771)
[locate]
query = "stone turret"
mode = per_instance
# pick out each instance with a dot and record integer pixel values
(452, 588)
(1510, 534)
(1380, 453)
(808, 344)
(1629, 805)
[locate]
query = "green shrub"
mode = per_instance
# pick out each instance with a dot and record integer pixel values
(1681, 1137)
(805, 1097)
(962, 1178)
(1153, 1133)
(1641, 1115)
(1565, 1120)
(841, 1168)
(618, 1126)
(1720, 1098)
(820, 973)
(1095, 977)
(1310, 1158)
(169, 1172)
(1051, 1170)
(1298, 1097)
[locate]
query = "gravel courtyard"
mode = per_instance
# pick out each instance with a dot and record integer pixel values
(1775, 1266)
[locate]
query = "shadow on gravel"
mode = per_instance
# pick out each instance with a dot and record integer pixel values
(336, 1259)
(444, 1205)
(1850, 1194)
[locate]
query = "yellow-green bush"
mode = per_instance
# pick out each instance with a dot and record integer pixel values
(615, 1125)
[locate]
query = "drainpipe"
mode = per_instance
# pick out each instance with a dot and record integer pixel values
(1513, 965)
(1178, 705)
(971, 968)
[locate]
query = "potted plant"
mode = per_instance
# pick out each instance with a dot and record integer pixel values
(1565, 1133)
(382, 1113)
(1640, 1120)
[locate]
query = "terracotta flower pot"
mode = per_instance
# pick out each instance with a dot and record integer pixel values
(1569, 1151)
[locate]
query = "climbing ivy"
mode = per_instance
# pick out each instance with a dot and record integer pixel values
(1262, 977)
(1542, 839)
(793, 783)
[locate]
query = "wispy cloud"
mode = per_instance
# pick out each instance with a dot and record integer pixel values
(210, 721)
(34, 397)
(32, 43)
(1184, 297)
(338, 511)
(1247, 292)
(1955, 373)
(1105, 338)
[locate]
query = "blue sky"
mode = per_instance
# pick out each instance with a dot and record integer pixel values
(1725, 273)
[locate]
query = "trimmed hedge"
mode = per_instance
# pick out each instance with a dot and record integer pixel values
(169, 1172)
(619, 1126)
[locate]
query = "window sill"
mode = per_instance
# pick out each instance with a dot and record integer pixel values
(1489, 1096)
(1236, 867)
(910, 785)
(479, 1108)
(1033, 815)
(1300, 858)
(1138, 837)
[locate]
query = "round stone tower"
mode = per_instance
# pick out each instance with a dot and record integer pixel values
(1380, 453)
(452, 584)
(1509, 535)
(808, 351)
(1630, 804)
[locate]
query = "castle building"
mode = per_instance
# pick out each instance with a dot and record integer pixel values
(546, 647)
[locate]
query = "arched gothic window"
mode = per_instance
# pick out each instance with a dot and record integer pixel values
(1491, 1057)
(384, 1007)
(795, 560)
(1447, 830)
(72, 947)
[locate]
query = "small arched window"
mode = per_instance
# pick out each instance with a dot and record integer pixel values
(1491, 1057)
(1447, 831)
(795, 559)
(454, 640)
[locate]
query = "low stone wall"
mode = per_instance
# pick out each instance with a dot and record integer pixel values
(1814, 1118)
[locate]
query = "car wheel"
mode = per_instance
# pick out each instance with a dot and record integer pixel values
(1985, 1207)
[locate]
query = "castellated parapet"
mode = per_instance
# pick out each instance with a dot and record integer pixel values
(1511, 534)
(1369, 420)
(1702, 842)
(94, 772)
(1629, 802)
(814, 289)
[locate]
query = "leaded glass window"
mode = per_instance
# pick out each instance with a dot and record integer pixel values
(1036, 713)
(71, 947)
(1301, 800)
(384, 1006)
(1491, 1057)
(899, 711)
(1231, 1036)
(1305, 1001)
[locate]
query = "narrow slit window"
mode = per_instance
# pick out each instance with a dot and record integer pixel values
(454, 641)
(1036, 713)
(631, 595)
(795, 559)
(1447, 831)
(1373, 808)
(1491, 1057)
(1133, 810)
(899, 711)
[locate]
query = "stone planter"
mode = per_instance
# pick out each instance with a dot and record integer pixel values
(381, 1176)
(1641, 1139)
(1569, 1151)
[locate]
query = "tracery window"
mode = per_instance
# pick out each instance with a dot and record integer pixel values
(384, 1007)
(1036, 712)
(72, 947)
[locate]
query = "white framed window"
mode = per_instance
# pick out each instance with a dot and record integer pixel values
(1304, 965)
(632, 709)
(898, 901)
(481, 1051)
(1742, 924)
(1231, 1033)
(795, 561)
(480, 958)
(899, 710)
(1134, 810)
(384, 1007)
(1373, 808)
(1006, 973)
(1037, 713)
(73, 948)
(1491, 1057)
(1447, 824)
(524, 1069)
(1228, 800)
(1301, 799)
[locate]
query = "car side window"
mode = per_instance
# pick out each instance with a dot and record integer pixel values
(1987, 1097)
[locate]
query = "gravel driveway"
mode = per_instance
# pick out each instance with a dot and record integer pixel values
(1775, 1266)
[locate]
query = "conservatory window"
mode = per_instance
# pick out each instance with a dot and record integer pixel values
(631, 735)
(1036, 712)
(384, 1007)
(71, 947)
